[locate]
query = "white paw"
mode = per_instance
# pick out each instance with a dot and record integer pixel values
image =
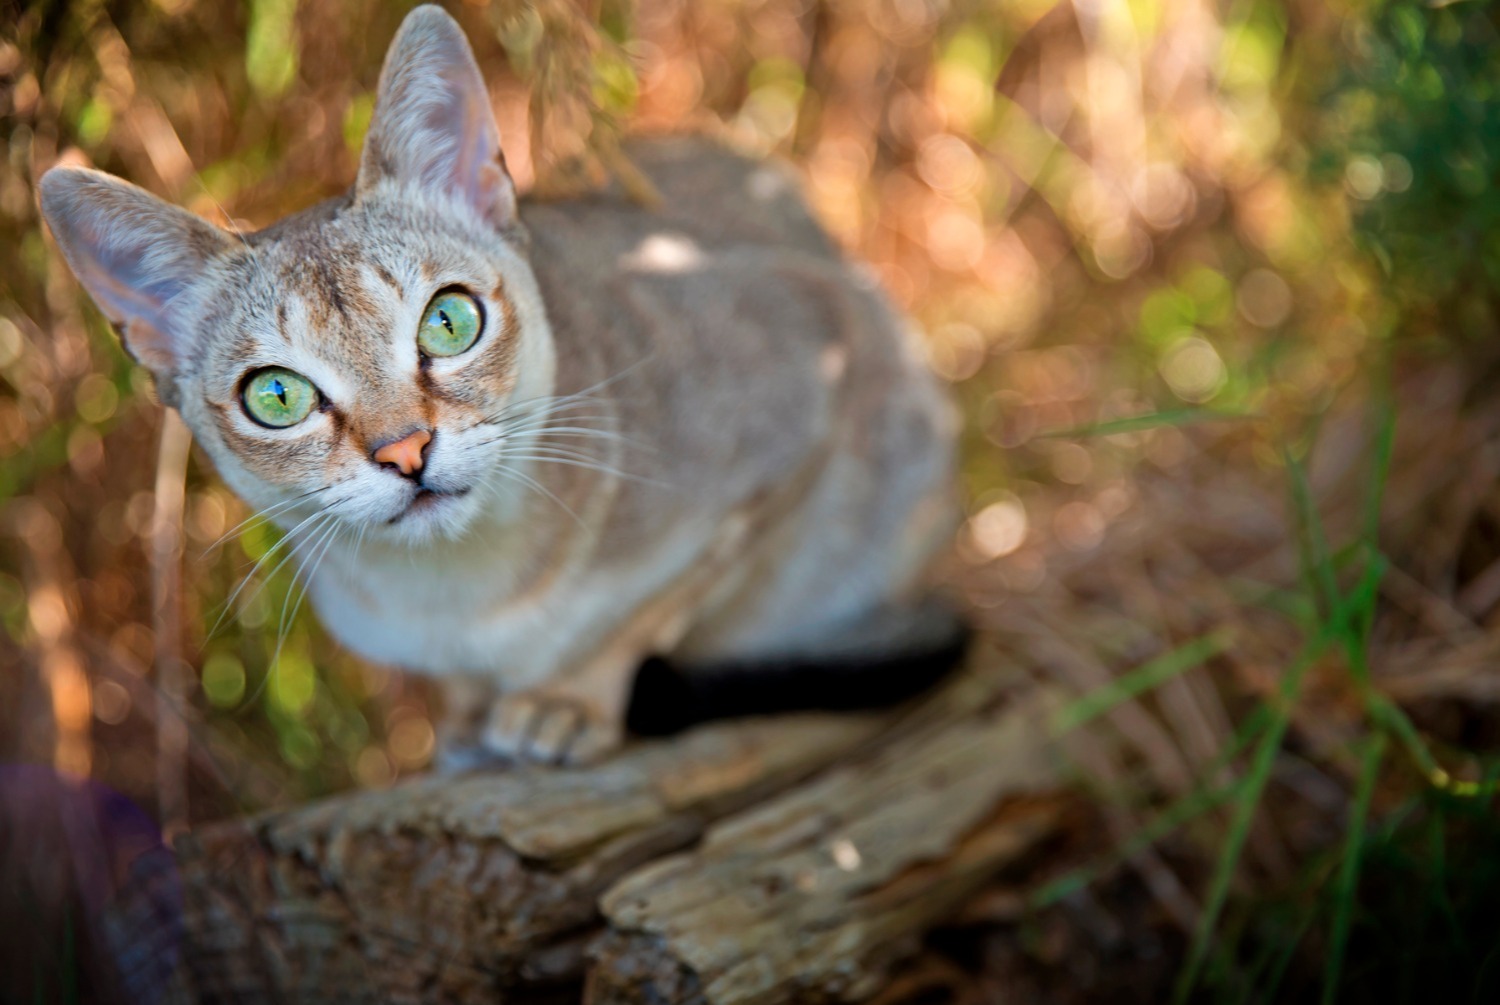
(533, 727)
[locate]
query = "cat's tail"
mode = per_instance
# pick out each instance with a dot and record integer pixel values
(931, 643)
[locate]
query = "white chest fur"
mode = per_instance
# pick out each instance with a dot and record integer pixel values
(465, 609)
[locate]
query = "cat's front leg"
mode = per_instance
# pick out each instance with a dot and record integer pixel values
(579, 716)
(467, 701)
(576, 718)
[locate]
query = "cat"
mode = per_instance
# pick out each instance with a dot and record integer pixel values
(524, 446)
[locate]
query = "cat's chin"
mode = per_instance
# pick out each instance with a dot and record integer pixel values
(432, 516)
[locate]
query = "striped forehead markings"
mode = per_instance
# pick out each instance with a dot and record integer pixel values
(384, 275)
(336, 299)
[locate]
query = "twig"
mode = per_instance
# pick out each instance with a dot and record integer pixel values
(166, 607)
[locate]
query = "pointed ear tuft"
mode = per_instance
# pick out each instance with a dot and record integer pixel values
(433, 127)
(134, 254)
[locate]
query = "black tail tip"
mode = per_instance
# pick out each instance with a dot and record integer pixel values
(668, 699)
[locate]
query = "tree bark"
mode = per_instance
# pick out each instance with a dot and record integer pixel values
(462, 888)
(744, 861)
(814, 894)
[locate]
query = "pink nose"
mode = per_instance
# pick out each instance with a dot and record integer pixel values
(405, 453)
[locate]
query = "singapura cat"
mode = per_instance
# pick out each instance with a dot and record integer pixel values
(523, 445)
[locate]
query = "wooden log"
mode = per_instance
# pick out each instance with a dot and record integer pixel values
(813, 894)
(462, 889)
(820, 844)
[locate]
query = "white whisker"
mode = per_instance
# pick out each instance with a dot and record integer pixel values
(263, 515)
(251, 252)
(579, 461)
(552, 404)
(289, 536)
(529, 482)
(541, 422)
(584, 433)
(315, 559)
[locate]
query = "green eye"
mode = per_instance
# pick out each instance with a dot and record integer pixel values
(451, 324)
(278, 398)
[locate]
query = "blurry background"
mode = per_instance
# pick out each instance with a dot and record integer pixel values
(1215, 286)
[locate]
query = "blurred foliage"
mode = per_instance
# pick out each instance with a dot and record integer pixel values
(1412, 131)
(1131, 218)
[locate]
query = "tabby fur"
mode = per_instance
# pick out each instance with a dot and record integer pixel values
(691, 430)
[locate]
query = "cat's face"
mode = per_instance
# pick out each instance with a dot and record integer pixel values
(354, 366)
(362, 361)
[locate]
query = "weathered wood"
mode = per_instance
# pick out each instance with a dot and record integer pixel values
(760, 859)
(456, 889)
(812, 894)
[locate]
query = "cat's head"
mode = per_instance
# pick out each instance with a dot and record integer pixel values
(351, 360)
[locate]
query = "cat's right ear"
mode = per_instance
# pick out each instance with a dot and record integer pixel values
(135, 254)
(433, 128)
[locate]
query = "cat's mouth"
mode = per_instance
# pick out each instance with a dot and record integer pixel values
(427, 499)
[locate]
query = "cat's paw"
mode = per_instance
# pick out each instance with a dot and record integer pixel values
(539, 727)
(460, 755)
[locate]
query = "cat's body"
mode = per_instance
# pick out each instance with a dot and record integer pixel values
(748, 370)
(690, 431)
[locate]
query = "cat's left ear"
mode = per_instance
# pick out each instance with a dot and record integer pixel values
(433, 127)
(137, 256)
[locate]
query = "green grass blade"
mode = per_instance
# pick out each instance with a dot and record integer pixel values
(1187, 807)
(1283, 959)
(1257, 778)
(1360, 617)
(1190, 806)
(1437, 860)
(1348, 876)
(1317, 560)
(1389, 717)
(1143, 678)
(1239, 825)
(1385, 441)
(1151, 420)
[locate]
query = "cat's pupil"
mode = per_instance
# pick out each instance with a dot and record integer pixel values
(446, 323)
(279, 389)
